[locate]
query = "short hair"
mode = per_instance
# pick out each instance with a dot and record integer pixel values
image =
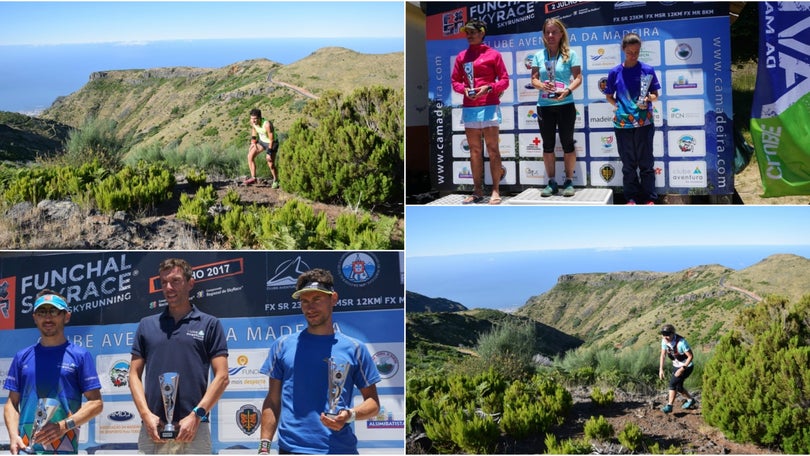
(256, 112)
(630, 38)
(48, 291)
(171, 263)
(319, 275)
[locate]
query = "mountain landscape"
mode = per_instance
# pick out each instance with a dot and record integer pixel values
(623, 312)
(185, 106)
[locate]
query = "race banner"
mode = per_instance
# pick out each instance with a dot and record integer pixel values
(250, 292)
(687, 43)
(780, 114)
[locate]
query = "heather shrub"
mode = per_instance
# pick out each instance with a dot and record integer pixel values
(568, 446)
(347, 149)
(600, 398)
(94, 141)
(631, 437)
(598, 429)
(757, 384)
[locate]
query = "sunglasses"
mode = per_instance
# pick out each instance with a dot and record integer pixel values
(52, 312)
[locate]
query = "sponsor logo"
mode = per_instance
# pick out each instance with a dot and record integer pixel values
(241, 362)
(607, 142)
(683, 83)
(465, 173)
(465, 146)
(384, 420)
(286, 274)
(531, 114)
(387, 363)
(683, 51)
(120, 415)
(532, 173)
(686, 143)
(600, 53)
(119, 373)
(248, 418)
(358, 268)
(608, 172)
(7, 299)
(527, 62)
(602, 84)
(196, 335)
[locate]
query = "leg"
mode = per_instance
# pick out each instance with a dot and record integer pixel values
(271, 163)
(476, 159)
(646, 163)
(548, 127)
(568, 117)
(253, 151)
(495, 167)
(625, 142)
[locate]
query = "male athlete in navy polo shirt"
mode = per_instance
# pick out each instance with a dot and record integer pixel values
(184, 340)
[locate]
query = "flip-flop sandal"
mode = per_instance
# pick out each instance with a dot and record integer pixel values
(473, 199)
(495, 201)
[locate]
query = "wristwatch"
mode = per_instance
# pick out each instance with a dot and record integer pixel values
(201, 413)
(69, 424)
(352, 415)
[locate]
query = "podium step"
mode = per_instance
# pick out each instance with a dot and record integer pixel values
(531, 197)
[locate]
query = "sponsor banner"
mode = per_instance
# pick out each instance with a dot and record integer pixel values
(780, 114)
(688, 44)
(250, 292)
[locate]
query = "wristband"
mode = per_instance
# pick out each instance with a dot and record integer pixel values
(264, 446)
(70, 424)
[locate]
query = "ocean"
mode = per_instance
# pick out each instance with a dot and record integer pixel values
(32, 77)
(506, 281)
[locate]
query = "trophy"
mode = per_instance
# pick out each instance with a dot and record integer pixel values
(645, 89)
(168, 391)
(337, 377)
(468, 70)
(552, 77)
(46, 408)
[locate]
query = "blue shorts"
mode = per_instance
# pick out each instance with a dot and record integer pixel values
(481, 116)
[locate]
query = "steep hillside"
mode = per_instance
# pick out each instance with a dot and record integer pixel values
(421, 303)
(25, 138)
(190, 106)
(626, 309)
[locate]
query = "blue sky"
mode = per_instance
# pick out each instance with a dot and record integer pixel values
(439, 231)
(133, 22)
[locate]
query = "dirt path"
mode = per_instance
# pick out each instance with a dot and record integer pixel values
(300, 90)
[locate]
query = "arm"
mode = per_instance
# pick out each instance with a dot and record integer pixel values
(11, 415)
(268, 128)
(367, 409)
(502, 83)
(536, 82)
(90, 408)
(271, 411)
(689, 357)
(663, 356)
(457, 77)
(187, 427)
(150, 420)
(576, 72)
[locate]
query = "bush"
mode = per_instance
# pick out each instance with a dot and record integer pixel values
(631, 437)
(598, 429)
(569, 446)
(475, 434)
(95, 141)
(600, 398)
(532, 408)
(347, 150)
(755, 387)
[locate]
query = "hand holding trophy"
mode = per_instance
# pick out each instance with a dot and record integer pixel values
(46, 408)
(168, 391)
(645, 89)
(552, 78)
(468, 71)
(337, 378)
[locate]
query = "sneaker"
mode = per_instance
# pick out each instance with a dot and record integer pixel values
(667, 408)
(252, 180)
(688, 404)
(650, 203)
(551, 189)
(568, 188)
(275, 184)
(631, 202)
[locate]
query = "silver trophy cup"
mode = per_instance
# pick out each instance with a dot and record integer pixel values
(645, 89)
(337, 378)
(552, 77)
(46, 408)
(468, 71)
(168, 392)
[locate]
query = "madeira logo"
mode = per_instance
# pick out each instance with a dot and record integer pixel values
(248, 418)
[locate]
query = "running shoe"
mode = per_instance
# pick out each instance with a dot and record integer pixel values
(667, 408)
(275, 184)
(688, 404)
(551, 189)
(252, 180)
(568, 188)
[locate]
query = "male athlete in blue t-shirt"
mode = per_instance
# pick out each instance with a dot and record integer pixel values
(296, 401)
(51, 369)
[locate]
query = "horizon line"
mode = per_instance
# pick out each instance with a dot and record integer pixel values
(606, 249)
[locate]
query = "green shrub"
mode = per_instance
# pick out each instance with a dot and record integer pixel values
(755, 387)
(600, 398)
(533, 408)
(631, 437)
(347, 149)
(474, 433)
(568, 446)
(94, 141)
(598, 429)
